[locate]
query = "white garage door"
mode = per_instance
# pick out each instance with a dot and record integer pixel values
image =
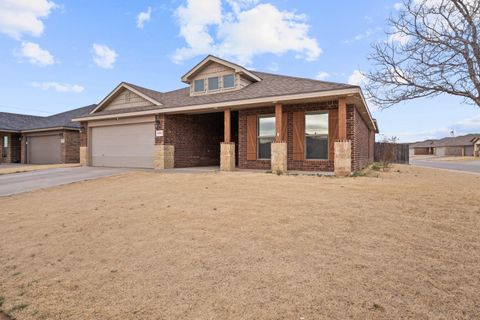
(44, 149)
(130, 146)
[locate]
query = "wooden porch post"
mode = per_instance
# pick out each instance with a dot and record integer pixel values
(278, 122)
(342, 119)
(226, 126)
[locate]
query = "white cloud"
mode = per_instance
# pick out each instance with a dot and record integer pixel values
(323, 75)
(273, 66)
(399, 37)
(360, 36)
(357, 78)
(143, 17)
(398, 6)
(247, 30)
(18, 17)
(36, 55)
(58, 86)
(103, 56)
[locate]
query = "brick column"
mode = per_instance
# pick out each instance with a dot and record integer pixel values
(279, 158)
(164, 152)
(84, 144)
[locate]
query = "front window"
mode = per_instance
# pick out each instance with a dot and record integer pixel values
(229, 81)
(266, 135)
(316, 136)
(5, 146)
(199, 85)
(213, 83)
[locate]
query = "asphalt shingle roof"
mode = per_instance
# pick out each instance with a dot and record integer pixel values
(466, 140)
(271, 85)
(20, 122)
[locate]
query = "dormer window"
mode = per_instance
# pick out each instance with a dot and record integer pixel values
(199, 85)
(228, 81)
(213, 83)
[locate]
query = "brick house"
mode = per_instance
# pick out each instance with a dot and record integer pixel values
(235, 118)
(41, 140)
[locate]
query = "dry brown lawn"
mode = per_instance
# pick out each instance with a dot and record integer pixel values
(245, 246)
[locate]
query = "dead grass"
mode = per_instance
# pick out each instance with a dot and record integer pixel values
(245, 246)
(28, 168)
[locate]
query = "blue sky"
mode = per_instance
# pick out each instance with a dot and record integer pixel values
(58, 55)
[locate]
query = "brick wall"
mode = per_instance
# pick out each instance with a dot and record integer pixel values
(13, 150)
(362, 146)
(306, 165)
(71, 147)
(196, 138)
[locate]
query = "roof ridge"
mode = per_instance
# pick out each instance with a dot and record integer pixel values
(305, 78)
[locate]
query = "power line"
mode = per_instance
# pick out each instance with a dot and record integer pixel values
(25, 109)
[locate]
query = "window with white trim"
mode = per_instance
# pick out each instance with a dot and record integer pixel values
(316, 135)
(266, 135)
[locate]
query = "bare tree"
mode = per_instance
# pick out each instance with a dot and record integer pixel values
(433, 48)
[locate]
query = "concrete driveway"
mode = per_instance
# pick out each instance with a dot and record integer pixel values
(468, 166)
(28, 181)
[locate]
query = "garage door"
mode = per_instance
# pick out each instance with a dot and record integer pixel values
(130, 146)
(44, 149)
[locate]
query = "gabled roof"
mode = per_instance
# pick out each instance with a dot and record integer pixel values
(118, 89)
(272, 86)
(209, 59)
(23, 122)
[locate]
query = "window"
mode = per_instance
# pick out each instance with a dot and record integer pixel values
(213, 83)
(199, 85)
(266, 135)
(5, 147)
(229, 81)
(316, 136)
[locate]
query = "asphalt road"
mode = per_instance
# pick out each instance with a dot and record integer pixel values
(28, 181)
(469, 166)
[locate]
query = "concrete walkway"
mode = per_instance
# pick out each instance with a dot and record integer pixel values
(28, 181)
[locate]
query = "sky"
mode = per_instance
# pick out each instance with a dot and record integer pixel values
(57, 55)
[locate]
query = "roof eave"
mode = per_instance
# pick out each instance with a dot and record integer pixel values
(242, 103)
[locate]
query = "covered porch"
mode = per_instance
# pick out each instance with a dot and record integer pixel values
(311, 136)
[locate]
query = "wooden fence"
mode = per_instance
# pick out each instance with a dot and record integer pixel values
(399, 152)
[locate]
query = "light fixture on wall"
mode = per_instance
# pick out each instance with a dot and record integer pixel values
(157, 124)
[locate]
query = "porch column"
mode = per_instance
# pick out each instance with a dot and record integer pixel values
(279, 146)
(227, 148)
(343, 147)
(227, 125)
(84, 144)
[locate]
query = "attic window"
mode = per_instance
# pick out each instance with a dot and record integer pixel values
(199, 85)
(213, 83)
(229, 81)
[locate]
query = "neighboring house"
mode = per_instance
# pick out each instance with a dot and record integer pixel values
(462, 146)
(232, 117)
(41, 140)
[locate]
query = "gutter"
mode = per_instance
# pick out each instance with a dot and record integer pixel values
(50, 129)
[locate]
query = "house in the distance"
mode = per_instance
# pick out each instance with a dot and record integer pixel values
(230, 116)
(461, 146)
(40, 140)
